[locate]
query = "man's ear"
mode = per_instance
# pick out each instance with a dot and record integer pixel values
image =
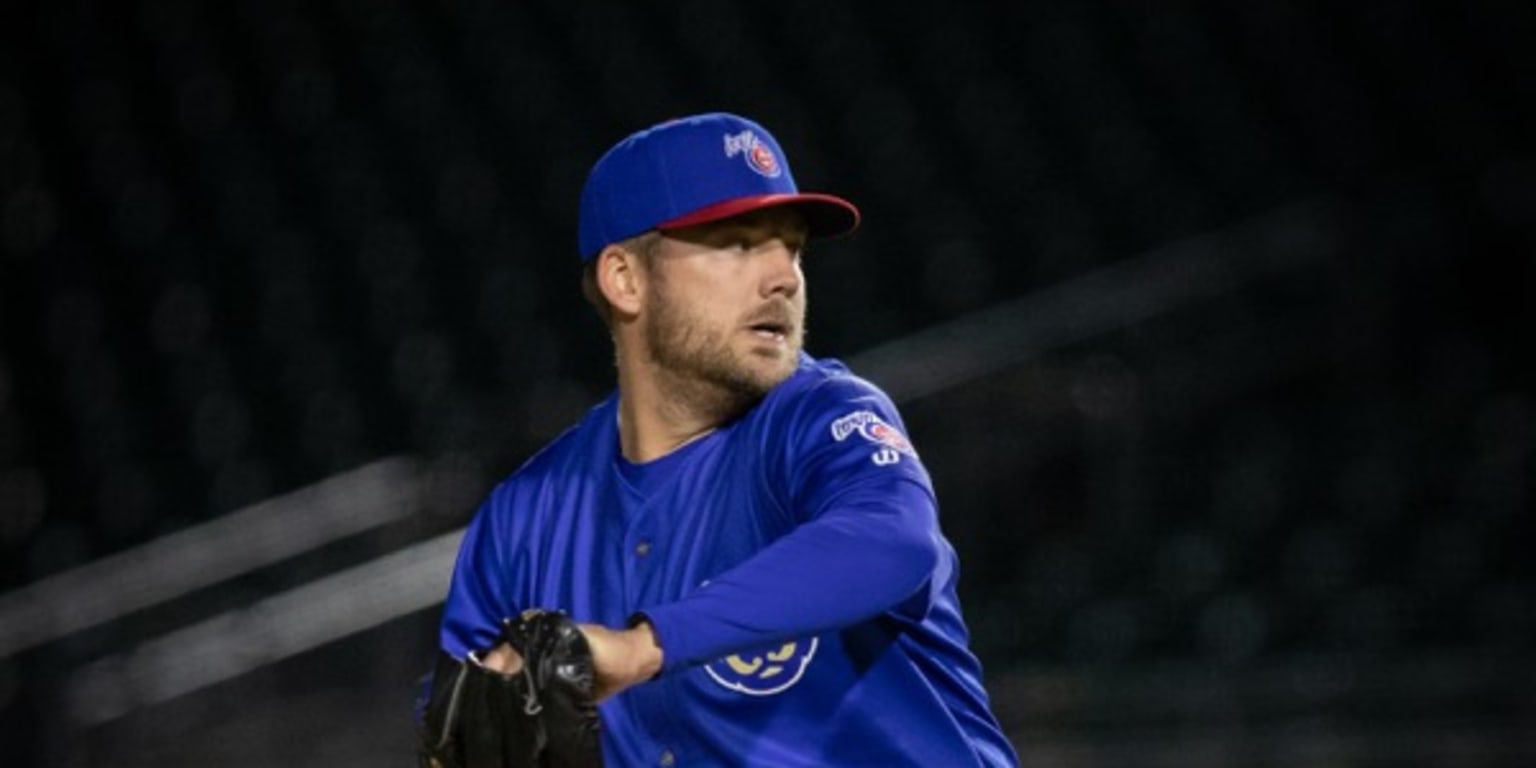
(621, 278)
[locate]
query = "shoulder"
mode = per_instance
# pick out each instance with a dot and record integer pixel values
(578, 446)
(823, 390)
(835, 430)
(826, 380)
(824, 404)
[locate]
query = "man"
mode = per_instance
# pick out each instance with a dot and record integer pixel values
(748, 539)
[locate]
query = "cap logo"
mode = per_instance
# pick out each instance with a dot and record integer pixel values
(758, 156)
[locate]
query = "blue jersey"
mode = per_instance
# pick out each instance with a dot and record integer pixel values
(790, 563)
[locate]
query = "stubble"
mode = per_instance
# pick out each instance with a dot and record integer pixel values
(704, 370)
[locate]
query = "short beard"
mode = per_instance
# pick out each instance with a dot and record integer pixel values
(701, 367)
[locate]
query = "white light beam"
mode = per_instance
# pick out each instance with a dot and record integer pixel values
(242, 541)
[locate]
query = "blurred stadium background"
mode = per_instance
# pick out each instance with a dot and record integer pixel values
(1213, 323)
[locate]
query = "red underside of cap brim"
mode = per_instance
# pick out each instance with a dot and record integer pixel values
(825, 215)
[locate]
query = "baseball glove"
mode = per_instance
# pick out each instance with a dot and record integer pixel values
(543, 716)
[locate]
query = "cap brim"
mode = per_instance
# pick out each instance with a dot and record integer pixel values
(825, 215)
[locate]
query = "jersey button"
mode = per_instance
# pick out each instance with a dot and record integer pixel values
(667, 759)
(642, 549)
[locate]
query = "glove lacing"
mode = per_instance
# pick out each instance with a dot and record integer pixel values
(531, 705)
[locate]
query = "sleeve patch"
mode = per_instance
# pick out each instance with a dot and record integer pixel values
(890, 442)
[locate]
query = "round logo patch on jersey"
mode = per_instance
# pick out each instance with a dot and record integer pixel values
(890, 442)
(764, 672)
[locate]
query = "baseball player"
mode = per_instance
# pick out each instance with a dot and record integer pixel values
(737, 551)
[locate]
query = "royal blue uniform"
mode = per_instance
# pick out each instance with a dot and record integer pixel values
(792, 568)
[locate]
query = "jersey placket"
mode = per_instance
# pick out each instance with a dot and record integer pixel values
(646, 512)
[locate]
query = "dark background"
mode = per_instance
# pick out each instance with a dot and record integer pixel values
(1286, 521)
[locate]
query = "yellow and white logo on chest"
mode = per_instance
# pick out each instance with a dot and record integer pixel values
(764, 672)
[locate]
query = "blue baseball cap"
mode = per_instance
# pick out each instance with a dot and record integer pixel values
(695, 170)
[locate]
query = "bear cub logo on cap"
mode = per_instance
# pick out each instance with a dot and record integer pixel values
(756, 152)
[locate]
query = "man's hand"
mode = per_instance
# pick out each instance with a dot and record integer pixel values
(503, 659)
(622, 657)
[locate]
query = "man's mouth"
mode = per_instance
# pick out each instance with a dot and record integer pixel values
(770, 330)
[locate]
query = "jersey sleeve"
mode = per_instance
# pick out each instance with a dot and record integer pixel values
(866, 540)
(477, 596)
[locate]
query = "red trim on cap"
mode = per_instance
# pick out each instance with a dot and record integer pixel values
(826, 215)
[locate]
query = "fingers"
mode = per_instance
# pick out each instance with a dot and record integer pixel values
(502, 659)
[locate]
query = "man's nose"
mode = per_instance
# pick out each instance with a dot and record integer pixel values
(783, 270)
